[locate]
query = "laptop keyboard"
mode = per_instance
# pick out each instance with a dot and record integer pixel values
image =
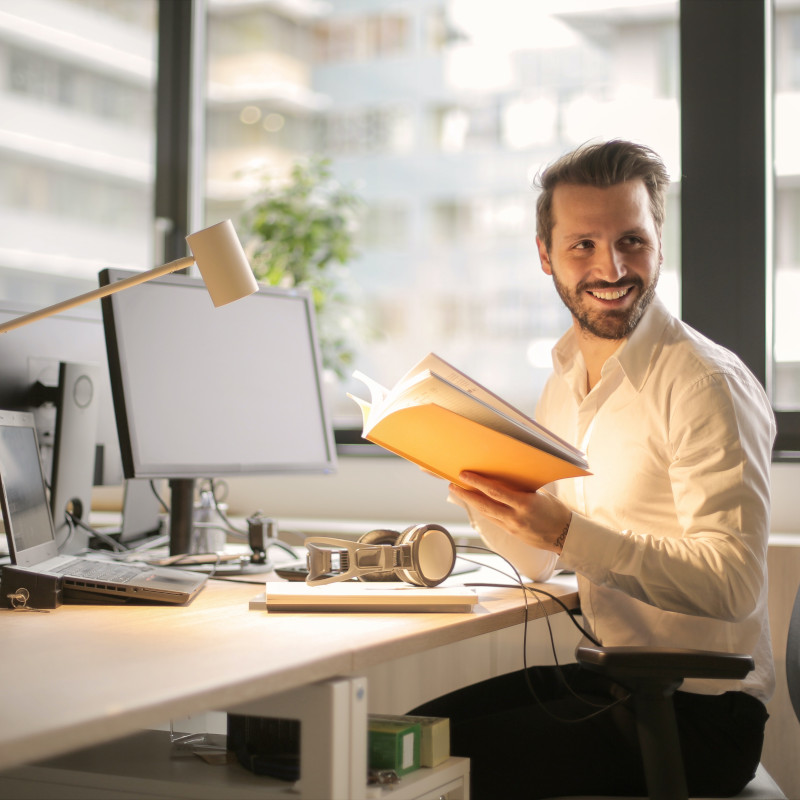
(98, 570)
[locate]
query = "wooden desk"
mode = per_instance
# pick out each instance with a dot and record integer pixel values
(81, 675)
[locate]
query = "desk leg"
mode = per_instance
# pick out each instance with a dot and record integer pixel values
(333, 735)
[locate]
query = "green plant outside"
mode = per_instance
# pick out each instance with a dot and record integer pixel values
(303, 234)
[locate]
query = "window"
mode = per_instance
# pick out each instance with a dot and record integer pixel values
(786, 273)
(438, 114)
(444, 112)
(362, 37)
(77, 133)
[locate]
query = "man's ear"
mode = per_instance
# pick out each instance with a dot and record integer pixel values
(544, 257)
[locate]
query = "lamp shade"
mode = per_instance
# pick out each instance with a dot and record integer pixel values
(222, 263)
(217, 253)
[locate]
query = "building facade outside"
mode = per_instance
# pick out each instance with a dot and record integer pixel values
(437, 112)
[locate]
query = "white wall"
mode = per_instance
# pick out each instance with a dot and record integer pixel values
(390, 489)
(785, 498)
(385, 489)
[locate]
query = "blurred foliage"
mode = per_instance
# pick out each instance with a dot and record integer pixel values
(302, 234)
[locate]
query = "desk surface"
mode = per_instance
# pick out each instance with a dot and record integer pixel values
(80, 675)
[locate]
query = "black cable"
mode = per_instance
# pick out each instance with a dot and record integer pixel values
(74, 521)
(158, 496)
(546, 614)
(601, 707)
(285, 547)
(243, 534)
(222, 515)
(556, 598)
(212, 571)
(299, 534)
(521, 584)
(213, 483)
(70, 531)
(258, 580)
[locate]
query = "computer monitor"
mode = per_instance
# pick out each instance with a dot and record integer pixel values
(203, 392)
(56, 369)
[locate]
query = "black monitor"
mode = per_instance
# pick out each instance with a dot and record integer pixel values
(204, 392)
(56, 369)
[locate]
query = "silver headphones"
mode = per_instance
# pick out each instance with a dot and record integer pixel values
(422, 555)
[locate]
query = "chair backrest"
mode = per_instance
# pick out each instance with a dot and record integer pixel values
(793, 656)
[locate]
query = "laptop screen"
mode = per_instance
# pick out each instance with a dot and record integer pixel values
(26, 515)
(31, 538)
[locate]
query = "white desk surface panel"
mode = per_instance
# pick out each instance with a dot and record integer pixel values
(81, 675)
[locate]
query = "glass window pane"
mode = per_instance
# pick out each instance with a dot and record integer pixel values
(77, 133)
(439, 116)
(786, 272)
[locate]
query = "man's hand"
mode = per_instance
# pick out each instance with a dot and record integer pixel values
(538, 518)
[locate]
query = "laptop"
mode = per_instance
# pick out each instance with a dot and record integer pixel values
(32, 541)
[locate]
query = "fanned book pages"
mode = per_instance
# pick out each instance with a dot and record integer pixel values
(440, 419)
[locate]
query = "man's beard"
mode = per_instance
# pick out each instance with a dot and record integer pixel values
(611, 324)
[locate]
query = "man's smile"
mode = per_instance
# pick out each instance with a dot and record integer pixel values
(609, 294)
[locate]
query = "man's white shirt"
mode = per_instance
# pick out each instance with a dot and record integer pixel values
(669, 533)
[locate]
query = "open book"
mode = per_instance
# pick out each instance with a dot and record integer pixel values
(442, 420)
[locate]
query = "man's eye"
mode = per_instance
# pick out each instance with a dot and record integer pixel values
(632, 240)
(586, 244)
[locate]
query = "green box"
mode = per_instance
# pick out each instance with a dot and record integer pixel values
(394, 745)
(435, 738)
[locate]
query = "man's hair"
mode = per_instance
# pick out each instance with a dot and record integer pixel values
(601, 165)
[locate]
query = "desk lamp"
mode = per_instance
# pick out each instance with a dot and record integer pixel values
(218, 255)
(223, 266)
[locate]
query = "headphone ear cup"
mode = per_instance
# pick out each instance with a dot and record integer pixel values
(380, 536)
(433, 554)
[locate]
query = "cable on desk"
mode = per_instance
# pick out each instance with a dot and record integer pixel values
(158, 497)
(601, 708)
(213, 484)
(520, 584)
(75, 522)
(175, 562)
(70, 532)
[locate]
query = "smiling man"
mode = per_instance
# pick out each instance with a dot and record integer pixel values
(668, 536)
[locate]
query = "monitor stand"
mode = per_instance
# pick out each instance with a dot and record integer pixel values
(262, 532)
(181, 515)
(74, 452)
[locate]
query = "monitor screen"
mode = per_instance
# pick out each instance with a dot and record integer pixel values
(30, 359)
(23, 491)
(56, 369)
(204, 392)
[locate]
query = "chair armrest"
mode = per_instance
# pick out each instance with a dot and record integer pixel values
(652, 674)
(663, 662)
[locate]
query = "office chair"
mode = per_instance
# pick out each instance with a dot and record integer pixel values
(653, 675)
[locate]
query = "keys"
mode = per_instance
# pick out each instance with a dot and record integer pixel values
(19, 601)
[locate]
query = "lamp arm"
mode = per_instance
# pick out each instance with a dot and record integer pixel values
(96, 294)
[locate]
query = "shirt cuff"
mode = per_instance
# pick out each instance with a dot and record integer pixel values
(590, 548)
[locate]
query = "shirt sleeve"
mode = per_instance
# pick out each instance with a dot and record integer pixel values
(720, 435)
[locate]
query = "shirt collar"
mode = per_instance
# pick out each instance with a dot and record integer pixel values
(634, 357)
(639, 354)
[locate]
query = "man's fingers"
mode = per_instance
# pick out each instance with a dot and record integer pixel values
(493, 488)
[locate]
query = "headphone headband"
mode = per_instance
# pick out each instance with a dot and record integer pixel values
(422, 555)
(340, 559)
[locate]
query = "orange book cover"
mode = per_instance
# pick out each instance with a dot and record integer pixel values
(443, 421)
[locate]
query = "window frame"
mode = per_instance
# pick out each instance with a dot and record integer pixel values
(726, 214)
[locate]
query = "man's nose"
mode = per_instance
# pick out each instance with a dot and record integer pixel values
(610, 264)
